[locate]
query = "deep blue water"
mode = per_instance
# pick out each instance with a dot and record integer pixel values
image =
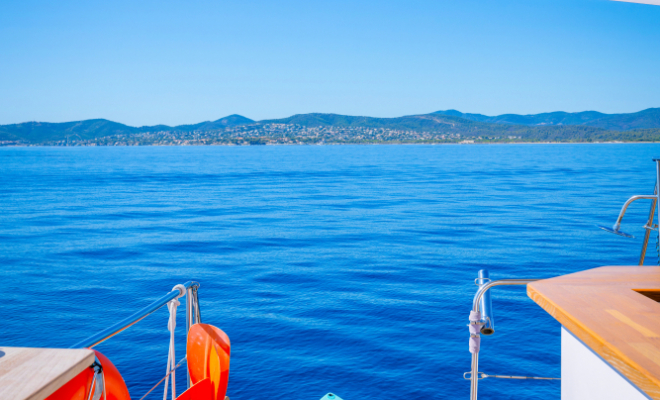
(332, 268)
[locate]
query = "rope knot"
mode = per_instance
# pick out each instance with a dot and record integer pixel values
(172, 305)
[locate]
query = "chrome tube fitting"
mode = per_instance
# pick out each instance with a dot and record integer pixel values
(476, 303)
(485, 306)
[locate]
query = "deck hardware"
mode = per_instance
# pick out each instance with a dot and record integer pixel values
(653, 228)
(649, 226)
(476, 322)
(482, 375)
(94, 392)
(478, 281)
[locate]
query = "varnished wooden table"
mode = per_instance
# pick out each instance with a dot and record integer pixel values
(614, 311)
(28, 373)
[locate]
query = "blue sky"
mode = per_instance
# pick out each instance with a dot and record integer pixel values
(150, 62)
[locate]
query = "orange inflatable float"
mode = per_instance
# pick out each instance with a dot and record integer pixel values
(208, 352)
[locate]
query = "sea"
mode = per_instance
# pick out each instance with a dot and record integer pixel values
(343, 269)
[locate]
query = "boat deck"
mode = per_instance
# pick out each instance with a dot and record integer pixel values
(614, 311)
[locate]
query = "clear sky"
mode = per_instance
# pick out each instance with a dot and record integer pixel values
(151, 62)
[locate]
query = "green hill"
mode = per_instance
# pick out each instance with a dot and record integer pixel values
(226, 122)
(427, 122)
(39, 132)
(645, 119)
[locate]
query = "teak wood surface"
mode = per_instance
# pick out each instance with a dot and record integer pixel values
(28, 373)
(604, 308)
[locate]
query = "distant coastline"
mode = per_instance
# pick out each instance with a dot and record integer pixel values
(441, 127)
(325, 144)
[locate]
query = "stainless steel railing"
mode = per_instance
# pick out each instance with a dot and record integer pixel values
(476, 307)
(193, 316)
(650, 226)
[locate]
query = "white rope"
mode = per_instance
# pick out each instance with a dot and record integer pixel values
(171, 326)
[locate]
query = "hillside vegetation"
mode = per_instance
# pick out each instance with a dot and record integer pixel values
(646, 119)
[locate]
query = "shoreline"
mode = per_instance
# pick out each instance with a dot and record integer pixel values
(321, 144)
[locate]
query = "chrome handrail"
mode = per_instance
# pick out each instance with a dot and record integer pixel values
(191, 305)
(649, 225)
(500, 282)
(474, 379)
(617, 224)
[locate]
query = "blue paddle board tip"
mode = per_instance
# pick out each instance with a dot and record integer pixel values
(331, 396)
